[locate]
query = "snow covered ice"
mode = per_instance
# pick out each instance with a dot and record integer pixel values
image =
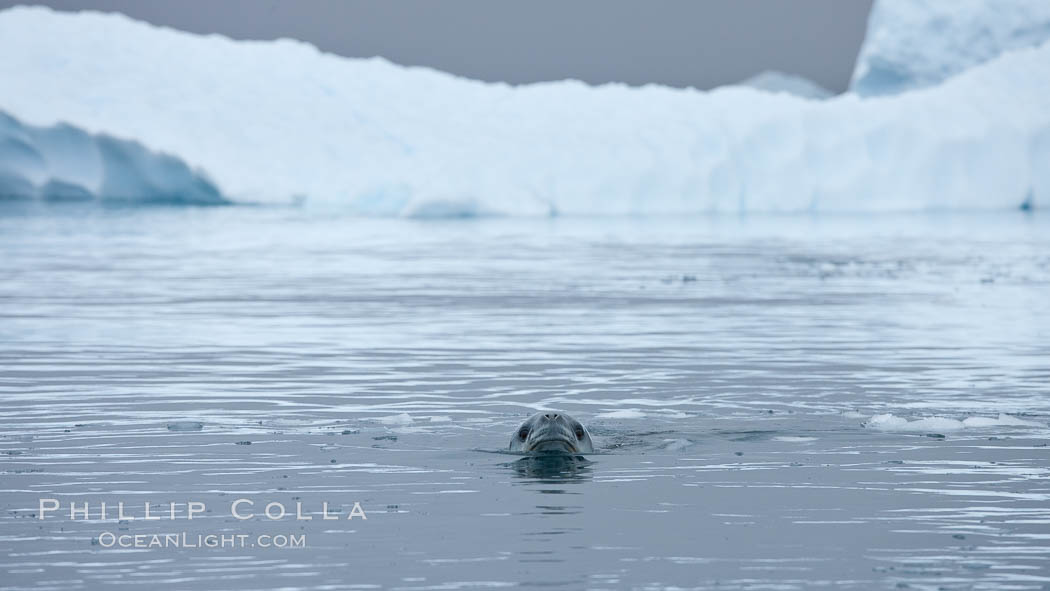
(281, 121)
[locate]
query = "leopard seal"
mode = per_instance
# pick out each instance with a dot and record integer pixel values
(551, 432)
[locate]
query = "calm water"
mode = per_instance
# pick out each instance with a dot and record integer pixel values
(729, 369)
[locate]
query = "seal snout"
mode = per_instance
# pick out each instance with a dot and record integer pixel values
(551, 431)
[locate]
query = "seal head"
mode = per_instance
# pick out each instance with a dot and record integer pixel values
(551, 432)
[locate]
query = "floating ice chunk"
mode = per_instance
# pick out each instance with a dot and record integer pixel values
(915, 43)
(1003, 420)
(627, 413)
(676, 444)
(670, 414)
(890, 422)
(401, 419)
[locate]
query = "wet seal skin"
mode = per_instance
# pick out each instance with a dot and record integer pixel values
(551, 432)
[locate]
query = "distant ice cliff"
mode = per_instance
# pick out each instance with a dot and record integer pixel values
(273, 121)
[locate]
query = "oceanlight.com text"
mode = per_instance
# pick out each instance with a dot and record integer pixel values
(206, 541)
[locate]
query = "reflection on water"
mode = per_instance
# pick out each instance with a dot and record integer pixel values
(725, 367)
(553, 468)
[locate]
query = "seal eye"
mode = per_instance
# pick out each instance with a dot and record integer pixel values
(523, 433)
(579, 431)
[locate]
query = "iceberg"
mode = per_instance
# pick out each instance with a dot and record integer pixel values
(280, 121)
(63, 163)
(917, 43)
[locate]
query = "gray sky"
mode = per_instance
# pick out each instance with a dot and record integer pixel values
(701, 43)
